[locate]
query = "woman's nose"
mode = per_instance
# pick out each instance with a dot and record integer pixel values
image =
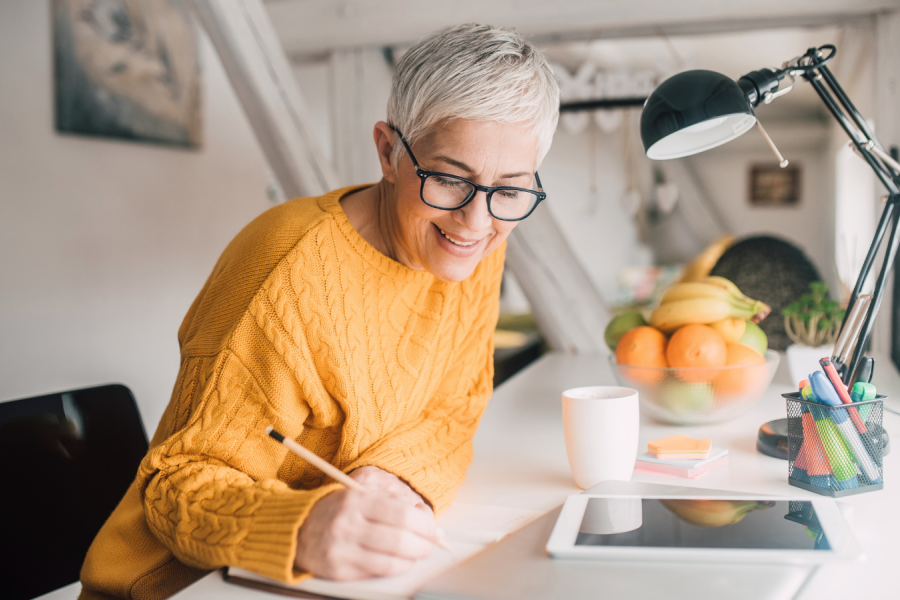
(475, 215)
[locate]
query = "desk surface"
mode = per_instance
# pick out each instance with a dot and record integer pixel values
(520, 461)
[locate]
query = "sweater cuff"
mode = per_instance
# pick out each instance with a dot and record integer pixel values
(271, 543)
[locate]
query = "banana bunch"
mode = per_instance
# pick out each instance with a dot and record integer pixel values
(708, 300)
(714, 513)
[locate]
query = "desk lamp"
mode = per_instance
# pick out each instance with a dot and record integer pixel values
(698, 110)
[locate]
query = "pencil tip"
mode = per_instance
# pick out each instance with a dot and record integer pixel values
(269, 430)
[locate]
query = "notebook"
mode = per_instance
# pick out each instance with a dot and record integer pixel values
(469, 529)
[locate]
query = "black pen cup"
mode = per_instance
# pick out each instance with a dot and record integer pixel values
(835, 450)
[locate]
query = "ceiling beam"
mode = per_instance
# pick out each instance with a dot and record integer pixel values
(309, 27)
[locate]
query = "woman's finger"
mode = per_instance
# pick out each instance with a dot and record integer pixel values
(394, 541)
(376, 564)
(374, 477)
(387, 510)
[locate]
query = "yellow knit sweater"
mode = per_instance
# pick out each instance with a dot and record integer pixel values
(305, 326)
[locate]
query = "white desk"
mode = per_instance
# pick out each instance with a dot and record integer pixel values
(520, 461)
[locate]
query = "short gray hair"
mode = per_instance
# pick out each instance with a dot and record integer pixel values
(475, 72)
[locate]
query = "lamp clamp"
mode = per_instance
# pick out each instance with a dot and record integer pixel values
(769, 96)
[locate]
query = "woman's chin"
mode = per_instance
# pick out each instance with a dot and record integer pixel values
(453, 270)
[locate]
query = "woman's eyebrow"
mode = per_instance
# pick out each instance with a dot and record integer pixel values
(468, 169)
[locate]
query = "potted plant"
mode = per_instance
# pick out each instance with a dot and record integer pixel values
(813, 323)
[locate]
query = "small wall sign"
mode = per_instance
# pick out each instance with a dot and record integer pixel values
(771, 185)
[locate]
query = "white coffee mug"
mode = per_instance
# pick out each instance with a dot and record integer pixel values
(601, 425)
(605, 516)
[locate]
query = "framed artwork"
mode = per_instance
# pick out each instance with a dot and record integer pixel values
(770, 185)
(127, 69)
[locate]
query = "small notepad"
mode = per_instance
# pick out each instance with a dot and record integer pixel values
(690, 469)
(680, 447)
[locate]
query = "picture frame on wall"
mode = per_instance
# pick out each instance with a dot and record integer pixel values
(771, 185)
(128, 70)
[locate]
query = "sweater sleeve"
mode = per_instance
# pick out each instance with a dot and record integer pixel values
(432, 453)
(210, 490)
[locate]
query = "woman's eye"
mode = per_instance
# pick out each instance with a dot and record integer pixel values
(447, 181)
(508, 194)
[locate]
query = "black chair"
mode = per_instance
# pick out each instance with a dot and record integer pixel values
(66, 460)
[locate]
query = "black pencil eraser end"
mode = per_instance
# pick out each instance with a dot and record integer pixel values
(274, 434)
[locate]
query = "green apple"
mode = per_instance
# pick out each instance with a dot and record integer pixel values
(682, 397)
(620, 325)
(754, 337)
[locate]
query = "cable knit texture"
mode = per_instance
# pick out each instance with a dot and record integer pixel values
(305, 326)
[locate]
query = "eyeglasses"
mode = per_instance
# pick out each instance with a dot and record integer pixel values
(450, 192)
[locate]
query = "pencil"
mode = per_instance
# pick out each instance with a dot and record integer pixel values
(324, 466)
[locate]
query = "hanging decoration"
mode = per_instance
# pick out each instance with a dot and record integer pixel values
(589, 83)
(571, 88)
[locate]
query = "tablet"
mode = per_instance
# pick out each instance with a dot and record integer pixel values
(762, 529)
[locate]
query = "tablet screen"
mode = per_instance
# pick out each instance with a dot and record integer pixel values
(671, 523)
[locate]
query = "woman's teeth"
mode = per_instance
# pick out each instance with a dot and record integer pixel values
(463, 244)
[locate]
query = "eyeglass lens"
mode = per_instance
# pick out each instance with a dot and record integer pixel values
(449, 192)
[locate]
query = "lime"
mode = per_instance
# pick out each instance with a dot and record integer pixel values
(685, 398)
(754, 337)
(620, 325)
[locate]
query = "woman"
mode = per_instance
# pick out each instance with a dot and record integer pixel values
(359, 324)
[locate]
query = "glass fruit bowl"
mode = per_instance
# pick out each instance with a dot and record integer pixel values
(688, 396)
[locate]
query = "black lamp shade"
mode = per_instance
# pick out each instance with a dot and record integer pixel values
(694, 111)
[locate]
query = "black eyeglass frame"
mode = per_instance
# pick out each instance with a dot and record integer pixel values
(489, 191)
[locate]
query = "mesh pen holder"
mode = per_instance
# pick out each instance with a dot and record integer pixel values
(835, 450)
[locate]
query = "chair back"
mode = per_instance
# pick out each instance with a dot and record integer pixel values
(66, 460)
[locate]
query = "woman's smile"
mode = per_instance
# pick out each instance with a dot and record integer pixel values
(454, 245)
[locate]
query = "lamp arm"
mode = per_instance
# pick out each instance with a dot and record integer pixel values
(813, 68)
(842, 97)
(869, 323)
(886, 217)
(860, 136)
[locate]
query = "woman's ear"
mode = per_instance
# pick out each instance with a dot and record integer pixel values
(384, 144)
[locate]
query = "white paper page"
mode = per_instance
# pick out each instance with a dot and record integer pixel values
(469, 528)
(482, 524)
(400, 587)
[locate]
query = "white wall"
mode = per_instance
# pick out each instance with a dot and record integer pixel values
(585, 187)
(724, 173)
(104, 244)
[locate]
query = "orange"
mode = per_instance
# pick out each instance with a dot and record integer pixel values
(749, 374)
(643, 346)
(694, 346)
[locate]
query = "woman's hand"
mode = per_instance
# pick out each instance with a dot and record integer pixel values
(355, 535)
(374, 478)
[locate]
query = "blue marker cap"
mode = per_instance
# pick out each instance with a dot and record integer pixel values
(826, 394)
(824, 391)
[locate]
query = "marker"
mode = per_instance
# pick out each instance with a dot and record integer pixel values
(865, 370)
(841, 390)
(815, 463)
(840, 459)
(861, 392)
(807, 394)
(798, 468)
(826, 394)
(800, 464)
